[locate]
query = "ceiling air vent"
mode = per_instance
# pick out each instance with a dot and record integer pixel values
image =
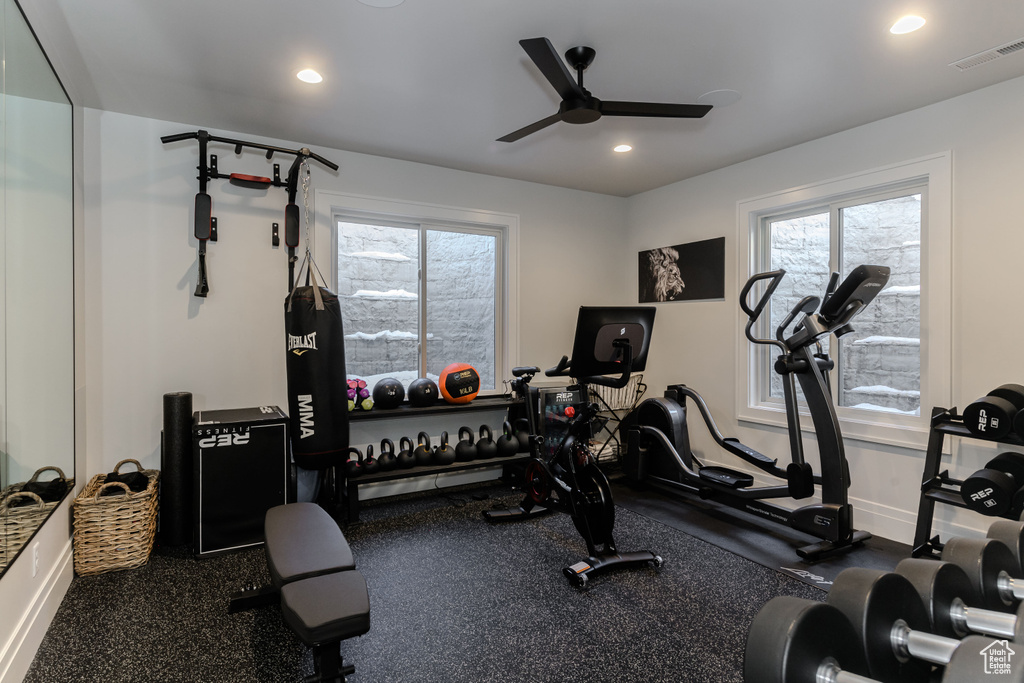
(988, 55)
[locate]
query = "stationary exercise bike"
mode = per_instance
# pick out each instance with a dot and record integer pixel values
(659, 449)
(562, 474)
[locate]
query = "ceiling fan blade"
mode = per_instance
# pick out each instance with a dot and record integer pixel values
(550, 63)
(532, 128)
(679, 111)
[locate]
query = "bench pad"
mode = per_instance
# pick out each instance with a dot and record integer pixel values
(327, 608)
(303, 541)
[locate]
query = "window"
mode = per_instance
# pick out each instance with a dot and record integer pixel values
(879, 364)
(888, 371)
(421, 286)
(416, 298)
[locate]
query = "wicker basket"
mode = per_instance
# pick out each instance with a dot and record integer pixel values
(19, 522)
(114, 532)
(15, 488)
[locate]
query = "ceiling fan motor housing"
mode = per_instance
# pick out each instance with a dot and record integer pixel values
(580, 111)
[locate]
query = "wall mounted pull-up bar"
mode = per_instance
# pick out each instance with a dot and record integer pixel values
(205, 223)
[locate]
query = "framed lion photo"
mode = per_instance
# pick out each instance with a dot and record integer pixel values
(683, 272)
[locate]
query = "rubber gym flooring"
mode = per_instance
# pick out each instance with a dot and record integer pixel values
(452, 598)
(749, 536)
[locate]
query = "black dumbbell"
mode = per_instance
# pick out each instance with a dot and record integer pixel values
(991, 569)
(891, 624)
(795, 640)
(993, 490)
(992, 416)
(950, 601)
(1010, 534)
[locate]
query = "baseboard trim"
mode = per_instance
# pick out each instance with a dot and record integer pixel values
(21, 648)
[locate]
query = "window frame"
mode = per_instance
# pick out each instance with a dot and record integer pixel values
(330, 207)
(933, 174)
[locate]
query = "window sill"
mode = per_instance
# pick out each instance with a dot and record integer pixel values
(903, 431)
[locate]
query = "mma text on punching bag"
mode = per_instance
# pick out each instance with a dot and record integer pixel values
(317, 392)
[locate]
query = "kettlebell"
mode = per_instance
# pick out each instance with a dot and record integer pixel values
(370, 464)
(444, 454)
(523, 435)
(465, 449)
(508, 444)
(424, 455)
(354, 466)
(387, 459)
(406, 459)
(485, 446)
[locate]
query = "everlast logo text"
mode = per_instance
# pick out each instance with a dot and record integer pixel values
(300, 344)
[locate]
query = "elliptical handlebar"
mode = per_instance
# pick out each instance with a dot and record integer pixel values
(776, 278)
(805, 306)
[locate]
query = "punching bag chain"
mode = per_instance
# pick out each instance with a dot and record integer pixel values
(304, 172)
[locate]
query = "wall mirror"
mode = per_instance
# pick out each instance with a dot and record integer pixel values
(36, 288)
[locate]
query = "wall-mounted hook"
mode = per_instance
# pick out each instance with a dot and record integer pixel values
(276, 241)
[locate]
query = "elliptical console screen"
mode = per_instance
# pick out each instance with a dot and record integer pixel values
(558, 407)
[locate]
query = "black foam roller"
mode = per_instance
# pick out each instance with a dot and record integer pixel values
(176, 470)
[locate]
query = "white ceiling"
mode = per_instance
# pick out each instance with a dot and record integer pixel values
(437, 81)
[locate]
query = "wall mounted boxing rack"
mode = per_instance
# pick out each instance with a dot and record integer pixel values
(206, 223)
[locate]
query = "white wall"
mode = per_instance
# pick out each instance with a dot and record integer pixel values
(696, 343)
(148, 335)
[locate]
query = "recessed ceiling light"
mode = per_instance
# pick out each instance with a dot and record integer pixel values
(719, 98)
(309, 76)
(621, 148)
(382, 3)
(907, 25)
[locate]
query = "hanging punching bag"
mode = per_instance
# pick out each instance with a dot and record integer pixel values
(317, 391)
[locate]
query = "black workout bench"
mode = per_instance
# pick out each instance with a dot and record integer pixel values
(323, 598)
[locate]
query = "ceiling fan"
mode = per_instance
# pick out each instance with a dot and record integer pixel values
(578, 105)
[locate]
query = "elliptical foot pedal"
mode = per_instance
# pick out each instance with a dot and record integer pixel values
(723, 476)
(816, 551)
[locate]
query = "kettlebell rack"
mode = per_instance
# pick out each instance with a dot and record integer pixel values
(939, 487)
(405, 410)
(206, 223)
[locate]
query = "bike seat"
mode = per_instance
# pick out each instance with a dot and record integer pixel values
(525, 370)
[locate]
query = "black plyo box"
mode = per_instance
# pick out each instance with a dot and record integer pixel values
(241, 470)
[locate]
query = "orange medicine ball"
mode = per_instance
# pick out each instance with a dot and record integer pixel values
(459, 383)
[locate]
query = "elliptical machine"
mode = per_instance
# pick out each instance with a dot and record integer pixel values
(562, 474)
(659, 449)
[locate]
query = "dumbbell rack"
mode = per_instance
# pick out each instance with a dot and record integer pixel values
(939, 487)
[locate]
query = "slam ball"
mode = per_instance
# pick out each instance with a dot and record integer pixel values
(459, 383)
(388, 393)
(422, 392)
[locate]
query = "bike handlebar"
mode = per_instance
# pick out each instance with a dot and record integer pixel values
(561, 369)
